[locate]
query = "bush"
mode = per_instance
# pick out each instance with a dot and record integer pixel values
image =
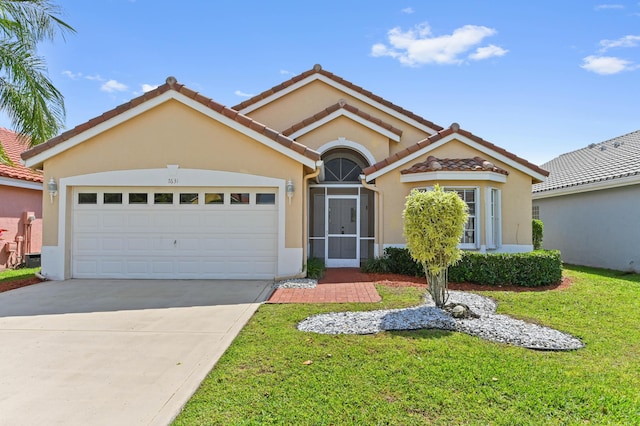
(537, 268)
(537, 233)
(315, 268)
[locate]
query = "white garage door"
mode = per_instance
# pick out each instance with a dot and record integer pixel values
(185, 233)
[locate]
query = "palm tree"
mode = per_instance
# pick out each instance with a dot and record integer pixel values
(27, 95)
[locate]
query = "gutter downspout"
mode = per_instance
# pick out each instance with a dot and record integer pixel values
(380, 216)
(305, 215)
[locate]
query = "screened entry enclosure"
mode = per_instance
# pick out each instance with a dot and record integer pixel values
(341, 224)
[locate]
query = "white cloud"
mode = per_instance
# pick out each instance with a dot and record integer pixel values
(606, 65)
(487, 52)
(148, 87)
(113, 86)
(285, 72)
(71, 75)
(407, 10)
(418, 46)
(96, 77)
(609, 6)
(626, 41)
(242, 94)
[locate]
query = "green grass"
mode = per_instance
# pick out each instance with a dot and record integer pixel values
(435, 377)
(18, 274)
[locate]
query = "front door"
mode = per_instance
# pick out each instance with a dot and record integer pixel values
(342, 231)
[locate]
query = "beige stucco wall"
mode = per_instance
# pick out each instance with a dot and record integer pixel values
(516, 197)
(343, 127)
(313, 98)
(173, 133)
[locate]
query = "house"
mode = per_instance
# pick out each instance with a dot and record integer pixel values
(174, 185)
(590, 204)
(20, 204)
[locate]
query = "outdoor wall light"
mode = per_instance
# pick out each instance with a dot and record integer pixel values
(52, 187)
(290, 190)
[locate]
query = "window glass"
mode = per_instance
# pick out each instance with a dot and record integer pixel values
(163, 198)
(189, 198)
(239, 198)
(265, 198)
(214, 198)
(112, 198)
(138, 198)
(470, 228)
(88, 198)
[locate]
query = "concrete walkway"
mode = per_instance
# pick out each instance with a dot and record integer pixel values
(107, 352)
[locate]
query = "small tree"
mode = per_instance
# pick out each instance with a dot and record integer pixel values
(433, 226)
(537, 228)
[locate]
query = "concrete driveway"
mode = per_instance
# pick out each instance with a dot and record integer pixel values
(105, 352)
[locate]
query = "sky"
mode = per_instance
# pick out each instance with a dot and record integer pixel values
(537, 78)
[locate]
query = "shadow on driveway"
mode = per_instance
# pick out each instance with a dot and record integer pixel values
(84, 296)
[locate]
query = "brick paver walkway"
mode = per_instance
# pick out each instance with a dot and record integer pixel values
(339, 285)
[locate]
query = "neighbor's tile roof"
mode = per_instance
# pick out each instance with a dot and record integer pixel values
(341, 104)
(433, 164)
(612, 159)
(172, 84)
(442, 134)
(317, 69)
(13, 146)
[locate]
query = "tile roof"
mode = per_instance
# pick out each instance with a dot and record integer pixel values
(317, 69)
(612, 159)
(13, 146)
(433, 164)
(172, 84)
(341, 104)
(454, 128)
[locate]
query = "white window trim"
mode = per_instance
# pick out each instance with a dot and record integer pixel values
(489, 218)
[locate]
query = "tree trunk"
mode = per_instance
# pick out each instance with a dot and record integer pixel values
(438, 287)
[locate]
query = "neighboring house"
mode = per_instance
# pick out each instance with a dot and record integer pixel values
(20, 204)
(590, 204)
(174, 185)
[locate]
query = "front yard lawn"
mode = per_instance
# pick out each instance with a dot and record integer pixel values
(432, 376)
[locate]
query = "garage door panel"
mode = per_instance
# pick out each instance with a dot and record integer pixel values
(174, 241)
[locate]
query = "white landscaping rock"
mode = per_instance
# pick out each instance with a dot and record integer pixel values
(490, 326)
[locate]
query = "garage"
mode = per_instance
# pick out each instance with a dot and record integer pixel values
(174, 233)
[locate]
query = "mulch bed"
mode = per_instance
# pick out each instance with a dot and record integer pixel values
(14, 284)
(393, 280)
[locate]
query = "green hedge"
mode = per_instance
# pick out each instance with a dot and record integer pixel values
(533, 269)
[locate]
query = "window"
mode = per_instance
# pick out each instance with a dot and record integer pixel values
(535, 212)
(494, 218)
(87, 198)
(469, 237)
(189, 198)
(163, 198)
(239, 198)
(112, 198)
(343, 165)
(265, 198)
(138, 198)
(214, 198)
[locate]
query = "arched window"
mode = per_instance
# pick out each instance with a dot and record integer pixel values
(343, 165)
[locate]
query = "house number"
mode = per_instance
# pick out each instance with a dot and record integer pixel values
(173, 181)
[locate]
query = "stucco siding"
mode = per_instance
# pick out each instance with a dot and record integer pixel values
(597, 228)
(515, 197)
(14, 203)
(173, 134)
(315, 97)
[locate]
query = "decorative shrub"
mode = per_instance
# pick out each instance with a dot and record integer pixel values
(537, 231)
(537, 268)
(315, 268)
